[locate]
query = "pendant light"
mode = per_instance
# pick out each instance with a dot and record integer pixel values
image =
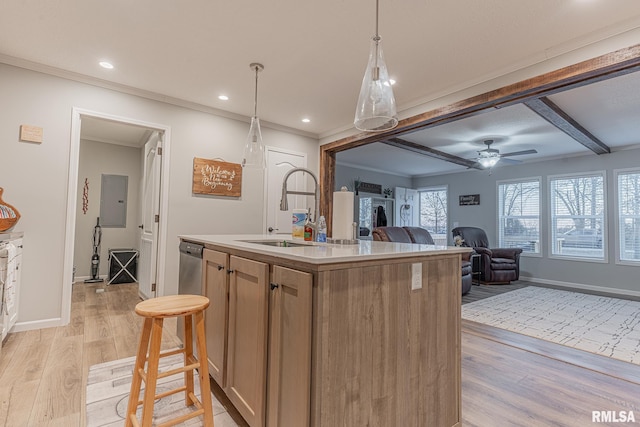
(253, 155)
(376, 109)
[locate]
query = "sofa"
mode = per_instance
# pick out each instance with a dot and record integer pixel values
(419, 235)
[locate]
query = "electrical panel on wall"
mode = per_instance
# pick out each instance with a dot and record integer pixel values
(407, 207)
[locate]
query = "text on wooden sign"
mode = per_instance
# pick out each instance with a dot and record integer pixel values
(217, 178)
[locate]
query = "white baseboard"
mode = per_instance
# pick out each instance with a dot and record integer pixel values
(36, 324)
(604, 289)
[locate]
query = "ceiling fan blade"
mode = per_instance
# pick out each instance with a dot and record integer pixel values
(519, 153)
(476, 165)
(510, 161)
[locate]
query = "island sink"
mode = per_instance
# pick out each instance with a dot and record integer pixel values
(279, 243)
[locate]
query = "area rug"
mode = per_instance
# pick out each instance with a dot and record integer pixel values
(597, 324)
(108, 388)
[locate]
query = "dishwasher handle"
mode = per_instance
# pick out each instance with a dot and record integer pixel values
(193, 249)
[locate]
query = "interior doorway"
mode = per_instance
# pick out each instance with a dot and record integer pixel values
(148, 144)
(279, 162)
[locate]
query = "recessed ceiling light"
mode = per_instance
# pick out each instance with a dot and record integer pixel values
(107, 65)
(223, 98)
(305, 120)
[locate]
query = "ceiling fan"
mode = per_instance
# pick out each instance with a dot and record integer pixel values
(489, 157)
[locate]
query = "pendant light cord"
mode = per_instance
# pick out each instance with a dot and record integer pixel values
(376, 39)
(255, 99)
(377, 36)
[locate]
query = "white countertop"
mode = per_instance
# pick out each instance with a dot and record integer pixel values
(11, 235)
(323, 253)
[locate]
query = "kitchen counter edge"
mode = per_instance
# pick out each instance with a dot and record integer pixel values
(323, 253)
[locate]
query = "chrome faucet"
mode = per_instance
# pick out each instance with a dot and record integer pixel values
(284, 205)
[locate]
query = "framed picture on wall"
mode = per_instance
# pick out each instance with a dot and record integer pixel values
(469, 200)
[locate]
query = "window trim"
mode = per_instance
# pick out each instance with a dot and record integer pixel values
(616, 202)
(605, 226)
(540, 190)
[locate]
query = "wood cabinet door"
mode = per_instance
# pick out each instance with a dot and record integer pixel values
(289, 348)
(247, 339)
(215, 283)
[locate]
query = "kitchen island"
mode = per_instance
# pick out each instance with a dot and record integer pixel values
(334, 335)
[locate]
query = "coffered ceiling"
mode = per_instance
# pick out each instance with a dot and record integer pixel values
(590, 120)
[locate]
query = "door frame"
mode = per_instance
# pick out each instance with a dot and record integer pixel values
(72, 197)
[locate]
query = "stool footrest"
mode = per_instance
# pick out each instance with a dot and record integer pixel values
(170, 353)
(178, 370)
(191, 367)
(183, 418)
(165, 394)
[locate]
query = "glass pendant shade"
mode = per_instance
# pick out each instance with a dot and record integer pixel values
(489, 161)
(376, 109)
(253, 155)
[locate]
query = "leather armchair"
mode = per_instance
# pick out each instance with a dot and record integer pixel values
(497, 265)
(421, 236)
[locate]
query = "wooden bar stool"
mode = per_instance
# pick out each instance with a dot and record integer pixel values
(154, 312)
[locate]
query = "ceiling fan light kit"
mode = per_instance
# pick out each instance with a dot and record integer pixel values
(376, 109)
(489, 157)
(253, 155)
(489, 160)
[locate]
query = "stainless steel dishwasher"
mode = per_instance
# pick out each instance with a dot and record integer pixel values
(190, 274)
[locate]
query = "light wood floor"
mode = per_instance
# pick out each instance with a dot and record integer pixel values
(507, 379)
(43, 373)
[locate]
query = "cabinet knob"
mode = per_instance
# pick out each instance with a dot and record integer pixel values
(273, 286)
(229, 271)
(271, 229)
(220, 267)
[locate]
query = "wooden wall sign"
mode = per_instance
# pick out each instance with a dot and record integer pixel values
(367, 187)
(31, 134)
(217, 178)
(469, 200)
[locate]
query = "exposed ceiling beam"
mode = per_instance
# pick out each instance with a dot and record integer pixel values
(430, 152)
(549, 111)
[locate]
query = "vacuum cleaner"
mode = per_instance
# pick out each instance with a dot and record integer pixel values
(95, 258)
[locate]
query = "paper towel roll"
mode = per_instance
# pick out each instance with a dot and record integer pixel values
(342, 219)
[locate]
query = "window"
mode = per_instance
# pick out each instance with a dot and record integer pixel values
(519, 215)
(577, 216)
(629, 215)
(433, 213)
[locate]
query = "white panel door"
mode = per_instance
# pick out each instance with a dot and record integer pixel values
(280, 162)
(147, 268)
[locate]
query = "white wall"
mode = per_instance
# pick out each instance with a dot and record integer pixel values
(606, 275)
(97, 158)
(35, 176)
(345, 175)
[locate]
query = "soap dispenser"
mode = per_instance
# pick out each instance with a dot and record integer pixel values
(321, 235)
(308, 230)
